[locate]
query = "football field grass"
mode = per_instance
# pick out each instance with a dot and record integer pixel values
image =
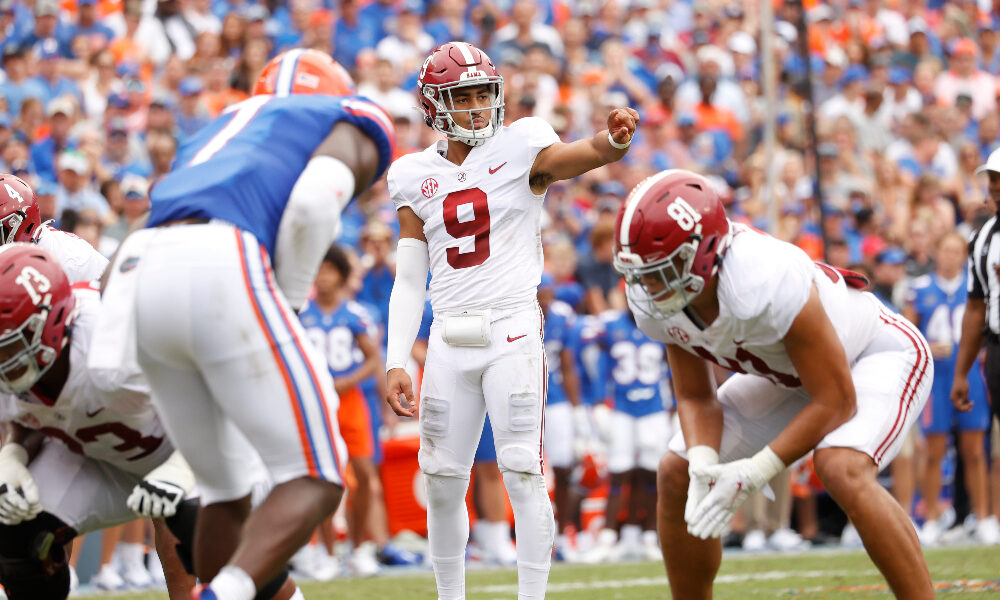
(972, 572)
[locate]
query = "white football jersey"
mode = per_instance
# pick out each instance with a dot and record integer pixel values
(763, 285)
(481, 219)
(78, 258)
(119, 427)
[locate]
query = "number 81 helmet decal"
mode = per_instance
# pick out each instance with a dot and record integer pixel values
(670, 237)
(37, 307)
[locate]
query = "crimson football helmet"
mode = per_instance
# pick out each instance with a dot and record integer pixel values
(37, 307)
(670, 237)
(302, 71)
(454, 66)
(20, 220)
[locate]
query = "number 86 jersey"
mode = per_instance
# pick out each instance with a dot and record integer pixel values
(481, 219)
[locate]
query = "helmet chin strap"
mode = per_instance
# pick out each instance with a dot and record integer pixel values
(472, 137)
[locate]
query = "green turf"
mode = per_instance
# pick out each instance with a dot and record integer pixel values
(819, 574)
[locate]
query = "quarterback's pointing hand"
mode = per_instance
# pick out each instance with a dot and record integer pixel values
(622, 123)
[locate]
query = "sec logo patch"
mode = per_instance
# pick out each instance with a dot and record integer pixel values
(429, 187)
(679, 334)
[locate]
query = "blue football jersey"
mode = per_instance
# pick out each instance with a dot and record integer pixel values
(589, 357)
(241, 167)
(559, 320)
(940, 306)
(637, 365)
(334, 333)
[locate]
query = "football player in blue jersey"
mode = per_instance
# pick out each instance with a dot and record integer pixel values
(566, 417)
(208, 292)
(341, 329)
(936, 303)
(639, 430)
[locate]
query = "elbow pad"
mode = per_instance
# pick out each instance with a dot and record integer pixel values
(406, 303)
(310, 223)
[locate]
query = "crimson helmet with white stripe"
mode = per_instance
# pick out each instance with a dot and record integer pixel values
(302, 71)
(20, 220)
(453, 66)
(37, 307)
(670, 237)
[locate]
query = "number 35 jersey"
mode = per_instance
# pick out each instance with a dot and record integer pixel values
(111, 421)
(763, 285)
(481, 219)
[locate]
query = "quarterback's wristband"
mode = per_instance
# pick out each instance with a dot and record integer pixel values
(615, 144)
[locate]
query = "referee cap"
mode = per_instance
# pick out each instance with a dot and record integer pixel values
(992, 163)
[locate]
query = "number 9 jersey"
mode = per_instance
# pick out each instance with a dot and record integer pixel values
(481, 219)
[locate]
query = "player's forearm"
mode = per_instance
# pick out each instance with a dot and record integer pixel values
(29, 439)
(701, 422)
(973, 337)
(571, 383)
(821, 416)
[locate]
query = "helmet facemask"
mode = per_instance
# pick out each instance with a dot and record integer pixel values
(10, 225)
(674, 287)
(441, 96)
(23, 356)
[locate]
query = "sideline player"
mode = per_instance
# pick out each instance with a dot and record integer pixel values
(20, 222)
(214, 325)
(819, 366)
(469, 210)
(936, 303)
(341, 329)
(566, 418)
(638, 431)
(84, 448)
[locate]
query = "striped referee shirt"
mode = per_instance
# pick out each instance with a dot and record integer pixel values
(984, 271)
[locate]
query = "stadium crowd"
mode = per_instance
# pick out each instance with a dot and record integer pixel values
(96, 96)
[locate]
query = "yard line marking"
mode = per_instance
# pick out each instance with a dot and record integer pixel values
(662, 581)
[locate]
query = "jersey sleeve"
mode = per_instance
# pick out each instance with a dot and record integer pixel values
(766, 298)
(376, 124)
(977, 290)
(538, 134)
(399, 200)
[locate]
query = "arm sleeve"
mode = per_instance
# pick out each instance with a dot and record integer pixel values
(406, 303)
(310, 223)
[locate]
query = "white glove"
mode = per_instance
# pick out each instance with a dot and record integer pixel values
(18, 493)
(731, 484)
(698, 487)
(162, 489)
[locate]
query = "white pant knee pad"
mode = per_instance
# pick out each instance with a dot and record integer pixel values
(519, 458)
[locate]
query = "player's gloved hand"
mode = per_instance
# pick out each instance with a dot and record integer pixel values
(698, 487)
(162, 489)
(19, 500)
(731, 484)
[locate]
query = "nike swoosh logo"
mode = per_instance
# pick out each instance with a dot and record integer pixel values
(95, 413)
(510, 339)
(492, 171)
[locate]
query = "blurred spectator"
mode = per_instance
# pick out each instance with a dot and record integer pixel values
(47, 26)
(18, 86)
(351, 33)
(98, 34)
(526, 29)
(963, 76)
(380, 270)
(162, 148)
(191, 115)
(135, 202)
(49, 80)
(887, 277)
(75, 191)
(61, 114)
(596, 272)
(384, 89)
